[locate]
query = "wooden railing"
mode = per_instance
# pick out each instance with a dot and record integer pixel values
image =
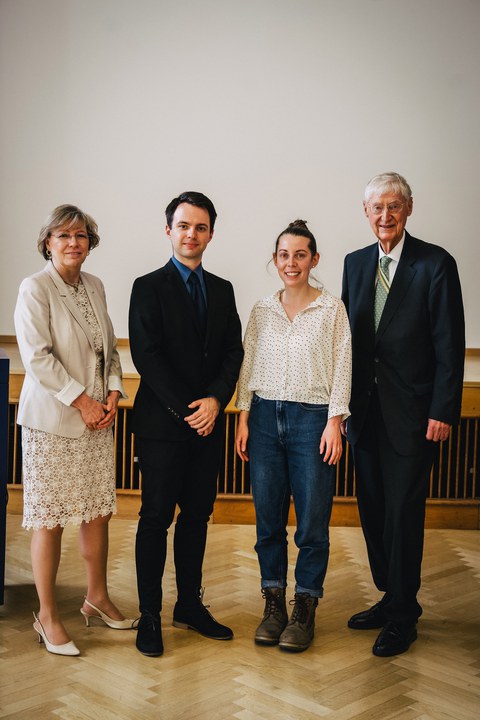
(453, 479)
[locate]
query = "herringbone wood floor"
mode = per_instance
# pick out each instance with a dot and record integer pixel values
(338, 677)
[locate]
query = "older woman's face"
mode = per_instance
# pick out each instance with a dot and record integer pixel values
(69, 247)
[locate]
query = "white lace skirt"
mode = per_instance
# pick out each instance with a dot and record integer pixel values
(67, 479)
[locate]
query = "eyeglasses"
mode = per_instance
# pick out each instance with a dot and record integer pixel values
(391, 208)
(66, 236)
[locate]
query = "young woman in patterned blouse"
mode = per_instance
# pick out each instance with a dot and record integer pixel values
(293, 393)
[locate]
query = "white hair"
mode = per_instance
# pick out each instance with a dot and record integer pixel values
(385, 182)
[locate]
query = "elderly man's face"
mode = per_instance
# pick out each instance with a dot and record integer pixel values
(387, 214)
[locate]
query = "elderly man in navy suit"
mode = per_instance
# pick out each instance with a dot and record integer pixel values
(186, 343)
(404, 303)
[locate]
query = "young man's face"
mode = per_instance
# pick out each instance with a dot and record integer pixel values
(190, 234)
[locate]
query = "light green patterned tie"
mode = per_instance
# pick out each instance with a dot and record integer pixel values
(382, 288)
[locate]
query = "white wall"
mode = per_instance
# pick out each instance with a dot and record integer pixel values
(276, 109)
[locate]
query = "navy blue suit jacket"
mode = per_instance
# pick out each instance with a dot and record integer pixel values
(416, 357)
(176, 363)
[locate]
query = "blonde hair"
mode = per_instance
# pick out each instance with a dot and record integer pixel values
(66, 216)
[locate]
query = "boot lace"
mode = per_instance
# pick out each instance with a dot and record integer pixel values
(301, 603)
(273, 604)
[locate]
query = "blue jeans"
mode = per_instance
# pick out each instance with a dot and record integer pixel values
(283, 444)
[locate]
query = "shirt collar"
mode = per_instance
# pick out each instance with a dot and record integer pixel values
(273, 301)
(185, 271)
(395, 253)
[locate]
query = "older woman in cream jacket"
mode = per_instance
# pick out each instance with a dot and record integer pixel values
(73, 381)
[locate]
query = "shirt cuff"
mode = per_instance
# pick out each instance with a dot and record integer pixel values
(115, 383)
(70, 392)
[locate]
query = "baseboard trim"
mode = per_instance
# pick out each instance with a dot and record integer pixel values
(239, 510)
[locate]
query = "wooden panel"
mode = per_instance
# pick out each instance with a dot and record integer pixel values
(454, 477)
(239, 510)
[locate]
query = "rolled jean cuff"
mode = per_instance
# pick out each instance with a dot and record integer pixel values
(273, 584)
(308, 591)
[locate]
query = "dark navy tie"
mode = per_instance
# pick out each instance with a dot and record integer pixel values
(198, 299)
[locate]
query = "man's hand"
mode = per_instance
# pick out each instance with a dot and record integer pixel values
(203, 419)
(437, 431)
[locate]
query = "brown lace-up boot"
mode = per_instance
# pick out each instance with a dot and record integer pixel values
(298, 634)
(275, 617)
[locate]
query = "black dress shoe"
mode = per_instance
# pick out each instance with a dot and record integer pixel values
(195, 616)
(370, 619)
(149, 635)
(394, 639)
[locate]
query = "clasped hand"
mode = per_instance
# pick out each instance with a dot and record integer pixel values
(97, 415)
(203, 419)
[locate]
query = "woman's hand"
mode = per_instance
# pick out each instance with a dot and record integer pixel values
(331, 441)
(241, 438)
(111, 410)
(92, 411)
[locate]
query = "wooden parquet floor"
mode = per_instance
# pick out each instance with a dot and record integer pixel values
(337, 678)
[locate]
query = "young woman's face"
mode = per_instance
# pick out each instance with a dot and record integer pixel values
(294, 260)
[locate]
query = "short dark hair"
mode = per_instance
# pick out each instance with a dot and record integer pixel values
(300, 229)
(192, 198)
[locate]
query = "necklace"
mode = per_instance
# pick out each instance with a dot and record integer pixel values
(75, 286)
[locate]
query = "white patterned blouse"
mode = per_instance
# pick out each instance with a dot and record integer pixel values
(307, 360)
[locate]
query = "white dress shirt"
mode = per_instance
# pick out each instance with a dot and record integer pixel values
(306, 360)
(394, 256)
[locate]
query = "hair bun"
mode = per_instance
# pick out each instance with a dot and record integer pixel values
(298, 223)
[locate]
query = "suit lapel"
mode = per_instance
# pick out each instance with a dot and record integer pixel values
(97, 307)
(211, 304)
(366, 286)
(403, 277)
(66, 298)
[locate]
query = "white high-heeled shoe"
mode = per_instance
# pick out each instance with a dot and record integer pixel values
(68, 648)
(126, 624)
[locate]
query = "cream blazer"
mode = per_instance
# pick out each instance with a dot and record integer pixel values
(56, 347)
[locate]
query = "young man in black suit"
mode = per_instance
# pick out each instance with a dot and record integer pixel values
(185, 340)
(404, 302)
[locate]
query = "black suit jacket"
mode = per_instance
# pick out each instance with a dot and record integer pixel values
(416, 357)
(176, 363)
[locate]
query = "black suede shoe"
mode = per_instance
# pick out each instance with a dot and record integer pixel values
(193, 615)
(394, 639)
(370, 619)
(149, 635)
